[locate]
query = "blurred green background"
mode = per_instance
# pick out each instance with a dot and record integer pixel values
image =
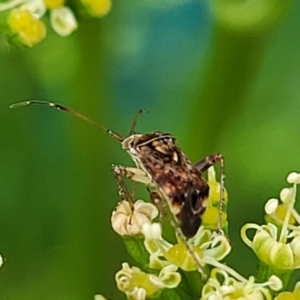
(217, 79)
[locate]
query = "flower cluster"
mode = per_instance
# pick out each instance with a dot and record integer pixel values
(277, 243)
(194, 266)
(23, 21)
(221, 286)
(162, 263)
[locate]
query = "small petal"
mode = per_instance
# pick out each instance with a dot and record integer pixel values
(36, 7)
(148, 209)
(151, 231)
(63, 21)
(293, 178)
(275, 283)
(169, 276)
(220, 248)
(286, 194)
(271, 206)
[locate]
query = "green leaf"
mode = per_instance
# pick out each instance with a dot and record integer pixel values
(135, 247)
(169, 294)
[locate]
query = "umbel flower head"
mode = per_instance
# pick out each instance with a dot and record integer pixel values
(276, 244)
(23, 18)
(142, 235)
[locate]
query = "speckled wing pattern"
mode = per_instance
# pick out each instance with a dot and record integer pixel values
(176, 177)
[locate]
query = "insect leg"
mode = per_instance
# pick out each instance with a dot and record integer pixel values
(135, 174)
(132, 173)
(209, 161)
(202, 166)
(123, 191)
(156, 198)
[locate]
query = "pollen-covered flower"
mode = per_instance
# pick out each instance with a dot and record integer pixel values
(204, 248)
(211, 215)
(278, 244)
(128, 218)
(29, 29)
(222, 286)
(97, 8)
(139, 285)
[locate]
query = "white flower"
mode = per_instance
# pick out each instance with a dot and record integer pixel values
(63, 20)
(202, 249)
(272, 250)
(277, 244)
(128, 218)
(221, 286)
(139, 285)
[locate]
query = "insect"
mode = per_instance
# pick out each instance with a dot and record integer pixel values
(164, 169)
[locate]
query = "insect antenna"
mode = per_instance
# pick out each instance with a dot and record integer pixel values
(136, 118)
(57, 106)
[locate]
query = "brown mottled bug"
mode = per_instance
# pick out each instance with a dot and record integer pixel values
(160, 164)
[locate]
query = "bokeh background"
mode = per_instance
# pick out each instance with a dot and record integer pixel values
(220, 78)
